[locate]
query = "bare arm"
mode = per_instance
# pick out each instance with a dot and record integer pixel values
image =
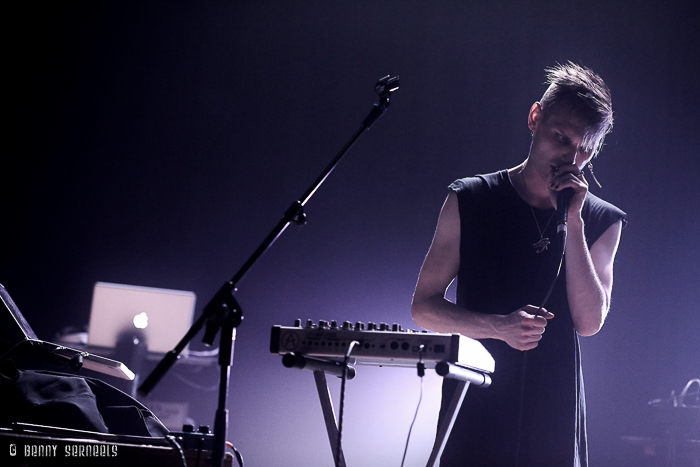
(589, 276)
(520, 329)
(589, 273)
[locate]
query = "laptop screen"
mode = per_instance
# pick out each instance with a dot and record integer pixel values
(159, 316)
(13, 327)
(18, 341)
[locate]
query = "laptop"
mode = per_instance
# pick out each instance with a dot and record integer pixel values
(19, 343)
(160, 317)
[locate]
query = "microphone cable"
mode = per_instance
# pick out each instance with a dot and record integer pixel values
(563, 198)
(562, 236)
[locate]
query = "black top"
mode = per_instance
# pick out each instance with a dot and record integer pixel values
(533, 414)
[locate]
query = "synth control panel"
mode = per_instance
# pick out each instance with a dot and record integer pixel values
(379, 344)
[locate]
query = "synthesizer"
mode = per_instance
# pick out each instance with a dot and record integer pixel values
(379, 345)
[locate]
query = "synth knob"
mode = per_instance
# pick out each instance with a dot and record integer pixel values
(371, 326)
(383, 327)
(297, 323)
(323, 324)
(347, 326)
(359, 326)
(395, 327)
(334, 324)
(309, 323)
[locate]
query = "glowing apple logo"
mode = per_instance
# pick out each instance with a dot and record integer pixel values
(141, 320)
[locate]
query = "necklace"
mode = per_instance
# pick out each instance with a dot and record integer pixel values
(542, 244)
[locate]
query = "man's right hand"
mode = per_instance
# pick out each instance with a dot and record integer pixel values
(523, 328)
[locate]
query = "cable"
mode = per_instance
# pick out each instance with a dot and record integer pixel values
(178, 449)
(342, 400)
(236, 453)
(562, 236)
(684, 393)
(420, 366)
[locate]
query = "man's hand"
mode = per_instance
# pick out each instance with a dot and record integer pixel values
(570, 176)
(523, 328)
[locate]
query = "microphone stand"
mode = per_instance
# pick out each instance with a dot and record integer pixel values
(223, 311)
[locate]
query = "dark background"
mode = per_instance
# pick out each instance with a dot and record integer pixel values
(157, 143)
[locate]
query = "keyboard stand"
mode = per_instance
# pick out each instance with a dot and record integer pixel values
(324, 396)
(464, 376)
(320, 368)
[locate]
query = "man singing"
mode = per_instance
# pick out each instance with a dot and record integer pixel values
(497, 234)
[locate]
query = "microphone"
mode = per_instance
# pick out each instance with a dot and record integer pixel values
(563, 198)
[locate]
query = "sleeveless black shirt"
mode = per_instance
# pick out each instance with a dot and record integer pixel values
(533, 414)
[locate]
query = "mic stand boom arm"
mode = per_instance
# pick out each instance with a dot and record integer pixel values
(223, 311)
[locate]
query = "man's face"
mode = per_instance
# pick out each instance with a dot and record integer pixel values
(557, 143)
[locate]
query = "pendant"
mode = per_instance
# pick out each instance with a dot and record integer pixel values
(541, 245)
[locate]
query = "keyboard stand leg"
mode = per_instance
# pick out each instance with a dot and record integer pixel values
(446, 426)
(324, 395)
